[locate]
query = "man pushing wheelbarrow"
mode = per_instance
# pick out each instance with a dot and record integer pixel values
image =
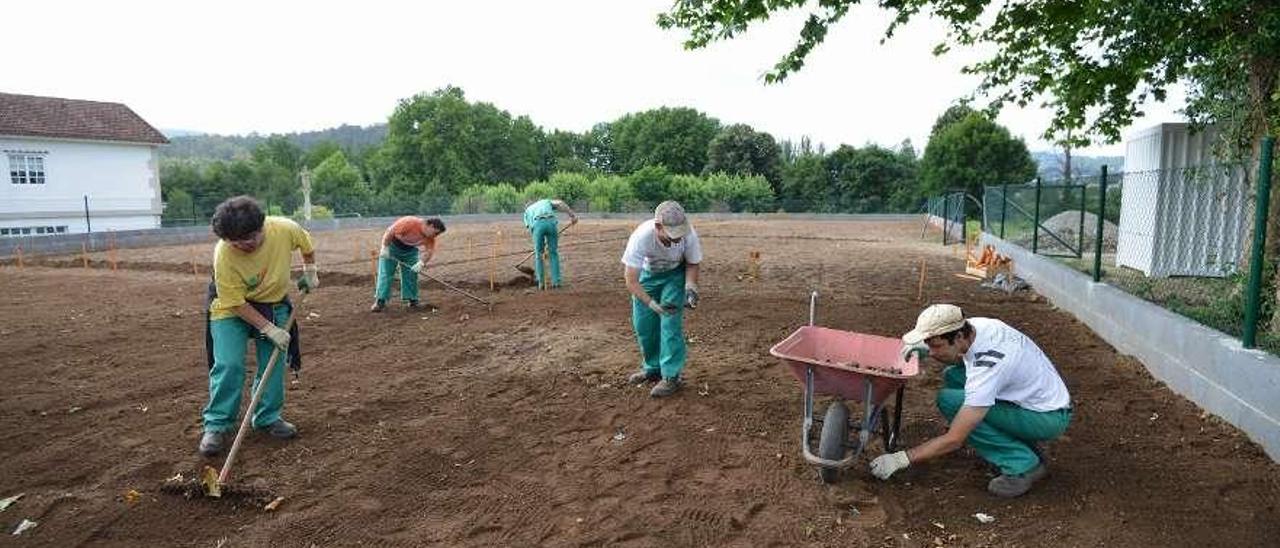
(1001, 396)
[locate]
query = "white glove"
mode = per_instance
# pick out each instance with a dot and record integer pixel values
(310, 278)
(908, 349)
(885, 465)
(417, 267)
(384, 252)
(278, 336)
(657, 307)
(691, 295)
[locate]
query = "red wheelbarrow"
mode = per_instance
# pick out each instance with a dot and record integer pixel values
(853, 367)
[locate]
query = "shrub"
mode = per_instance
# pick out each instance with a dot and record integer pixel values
(501, 198)
(609, 193)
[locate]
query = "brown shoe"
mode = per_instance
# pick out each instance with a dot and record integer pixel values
(665, 387)
(641, 377)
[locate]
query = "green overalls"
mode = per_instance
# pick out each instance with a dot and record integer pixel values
(1005, 435)
(661, 338)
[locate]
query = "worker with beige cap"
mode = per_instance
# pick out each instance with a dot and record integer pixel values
(1002, 395)
(661, 270)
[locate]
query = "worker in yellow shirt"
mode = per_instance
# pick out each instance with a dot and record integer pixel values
(251, 264)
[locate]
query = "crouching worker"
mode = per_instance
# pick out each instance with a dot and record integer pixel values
(251, 264)
(400, 245)
(661, 272)
(1001, 397)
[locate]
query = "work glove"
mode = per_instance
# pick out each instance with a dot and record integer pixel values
(417, 267)
(384, 252)
(660, 309)
(885, 465)
(310, 278)
(691, 295)
(909, 349)
(277, 336)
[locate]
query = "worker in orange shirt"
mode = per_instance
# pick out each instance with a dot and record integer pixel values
(400, 245)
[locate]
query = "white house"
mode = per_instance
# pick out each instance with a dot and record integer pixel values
(62, 158)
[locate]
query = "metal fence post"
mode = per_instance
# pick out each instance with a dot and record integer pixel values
(946, 217)
(1004, 206)
(1254, 295)
(1102, 220)
(1035, 222)
(1084, 194)
(87, 226)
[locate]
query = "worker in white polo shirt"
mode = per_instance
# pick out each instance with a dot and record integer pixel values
(1002, 396)
(661, 271)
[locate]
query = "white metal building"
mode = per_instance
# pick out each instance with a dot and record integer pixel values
(63, 157)
(1182, 211)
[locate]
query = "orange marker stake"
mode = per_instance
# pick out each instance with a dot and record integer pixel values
(84, 254)
(373, 264)
(111, 253)
(920, 289)
(20, 263)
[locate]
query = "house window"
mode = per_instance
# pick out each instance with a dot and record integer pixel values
(30, 230)
(26, 169)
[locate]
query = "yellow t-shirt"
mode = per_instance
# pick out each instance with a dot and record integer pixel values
(261, 276)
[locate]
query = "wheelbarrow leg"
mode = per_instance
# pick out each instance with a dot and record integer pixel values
(890, 431)
(869, 412)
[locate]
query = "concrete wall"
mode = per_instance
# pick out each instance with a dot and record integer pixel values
(120, 179)
(1205, 365)
(70, 243)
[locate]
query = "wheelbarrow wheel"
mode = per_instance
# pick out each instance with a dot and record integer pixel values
(835, 437)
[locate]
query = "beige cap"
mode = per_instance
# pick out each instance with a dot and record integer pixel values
(670, 214)
(938, 319)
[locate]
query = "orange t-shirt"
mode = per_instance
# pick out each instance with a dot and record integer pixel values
(410, 231)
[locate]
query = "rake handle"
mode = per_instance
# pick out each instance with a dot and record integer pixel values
(253, 400)
(446, 284)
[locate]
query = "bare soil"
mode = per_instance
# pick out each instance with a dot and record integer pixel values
(466, 426)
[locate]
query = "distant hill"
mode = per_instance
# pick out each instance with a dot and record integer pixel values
(1049, 165)
(194, 145)
(175, 132)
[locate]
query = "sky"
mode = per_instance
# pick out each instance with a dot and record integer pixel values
(269, 66)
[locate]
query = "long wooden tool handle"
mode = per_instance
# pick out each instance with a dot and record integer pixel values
(530, 255)
(253, 401)
(424, 274)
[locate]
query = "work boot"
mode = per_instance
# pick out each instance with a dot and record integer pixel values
(415, 305)
(378, 306)
(642, 376)
(1012, 486)
(665, 387)
(211, 443)
(281, 430)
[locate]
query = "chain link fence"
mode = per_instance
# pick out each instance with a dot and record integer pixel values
(1180, 238)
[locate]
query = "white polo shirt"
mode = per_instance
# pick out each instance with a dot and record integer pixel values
(1003, 364)
(644, 251)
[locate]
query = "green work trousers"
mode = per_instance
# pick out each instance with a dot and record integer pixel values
(387, 268)
(1005, 435)
(661, 337)
(545, 237)
(226, 377)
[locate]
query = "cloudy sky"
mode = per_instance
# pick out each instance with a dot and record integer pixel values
(238, 66)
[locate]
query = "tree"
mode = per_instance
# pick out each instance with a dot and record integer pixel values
(1093, 63)
(740, 150)
(650, 184)
(279, 151)
(441, 138)
(676, 138)
(337, 184)
(869, 179)
(973, 153)
(806, 185)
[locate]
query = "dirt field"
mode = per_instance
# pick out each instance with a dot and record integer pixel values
(471, 427)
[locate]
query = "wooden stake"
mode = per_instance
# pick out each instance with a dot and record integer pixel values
(920, 289)
(470, 249)
(373, 264)
(111, 252)
(355, 251)
(194, 269)
(20, 263)
(84, 254)
(493, 260)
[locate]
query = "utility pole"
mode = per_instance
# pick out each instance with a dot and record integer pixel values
(306, 193)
